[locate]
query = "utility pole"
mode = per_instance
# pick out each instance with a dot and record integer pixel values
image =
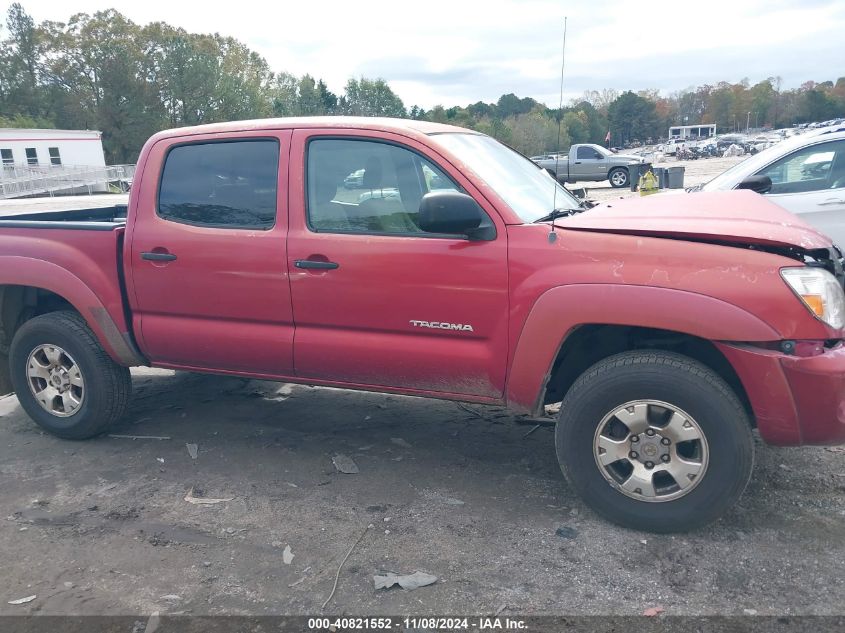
(748, 122)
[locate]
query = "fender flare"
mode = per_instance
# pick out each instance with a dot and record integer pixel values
(38, 273)
(561, 310)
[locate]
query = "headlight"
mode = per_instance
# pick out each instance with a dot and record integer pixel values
(819, 291)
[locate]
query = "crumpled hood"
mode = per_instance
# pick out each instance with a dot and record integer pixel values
(742, 217)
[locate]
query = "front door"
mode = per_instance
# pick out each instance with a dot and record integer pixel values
(811, 184)
(589, 165)
(377, 301)
(208, 281)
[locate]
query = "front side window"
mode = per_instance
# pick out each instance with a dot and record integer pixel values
(31, 156)
(368, 187)
(814, 168)
(55, 157)
(7, 157)
(587, 153)
(229, 184)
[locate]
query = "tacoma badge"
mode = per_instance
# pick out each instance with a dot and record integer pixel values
(440, 325)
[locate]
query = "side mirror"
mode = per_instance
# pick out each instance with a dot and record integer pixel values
(452, 212)
(760, 184)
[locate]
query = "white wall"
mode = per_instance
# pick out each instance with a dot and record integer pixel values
(76, 147)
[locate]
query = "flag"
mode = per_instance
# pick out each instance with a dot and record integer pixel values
(607, 138)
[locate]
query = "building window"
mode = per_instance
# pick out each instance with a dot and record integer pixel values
(55, 159)
(31, 156)
(8, 159)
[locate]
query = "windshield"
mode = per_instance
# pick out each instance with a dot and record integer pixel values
(530, 191)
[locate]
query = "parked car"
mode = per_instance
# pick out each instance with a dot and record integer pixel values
(804, 174)
(589, 162)
(668, 327)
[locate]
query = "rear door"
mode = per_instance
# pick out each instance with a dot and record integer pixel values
(206, 258)
(376, 300)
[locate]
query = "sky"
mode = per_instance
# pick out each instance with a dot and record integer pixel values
(458, 52)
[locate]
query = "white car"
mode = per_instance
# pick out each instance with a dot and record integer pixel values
(804, 174)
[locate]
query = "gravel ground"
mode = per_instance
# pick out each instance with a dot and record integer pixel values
(464, 493)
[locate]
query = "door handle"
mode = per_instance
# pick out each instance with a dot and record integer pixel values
(315, 264)
(158, 257)
(831, 201)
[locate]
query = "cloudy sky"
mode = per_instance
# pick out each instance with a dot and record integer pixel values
(457, 52)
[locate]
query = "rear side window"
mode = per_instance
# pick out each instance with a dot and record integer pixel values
(230, 184)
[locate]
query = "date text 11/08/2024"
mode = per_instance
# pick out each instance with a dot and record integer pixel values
(431, 623)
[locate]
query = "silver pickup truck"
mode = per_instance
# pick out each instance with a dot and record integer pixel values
(590, 162)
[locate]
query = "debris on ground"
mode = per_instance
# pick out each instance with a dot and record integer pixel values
(203, 501)
(400, 442)
(653, 611)
(152, 623)
(23, 600)
(287, 555)
(193, 450)
(566, 532)
(749, 611)
(342, 563)
(554, 408)
(345, 465)
(139, 437)
(160, 460)
(472, 411)
(533, 428)
(500, 609)
(410, 582)
(171, 597)
(432, 495)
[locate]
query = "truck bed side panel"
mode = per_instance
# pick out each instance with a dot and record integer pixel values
(82, 267)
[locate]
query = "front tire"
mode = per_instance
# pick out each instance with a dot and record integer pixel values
(64, 379)
(618, 177)
(655, 441)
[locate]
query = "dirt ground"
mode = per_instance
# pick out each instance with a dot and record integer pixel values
(463, 493)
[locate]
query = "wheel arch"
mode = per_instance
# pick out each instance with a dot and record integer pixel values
(40, 287)
(567, 322)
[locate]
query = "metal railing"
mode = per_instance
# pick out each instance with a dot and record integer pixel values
(18, 181)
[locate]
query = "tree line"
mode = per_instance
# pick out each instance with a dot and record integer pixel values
(103, 71)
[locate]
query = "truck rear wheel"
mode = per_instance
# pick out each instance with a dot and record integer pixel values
(64, 380)
(618, 177)
(654, 441)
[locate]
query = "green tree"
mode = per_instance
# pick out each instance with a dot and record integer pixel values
(632, 117)
(372, 97)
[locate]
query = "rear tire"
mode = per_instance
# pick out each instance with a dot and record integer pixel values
(64, 379)
(619, 178)
(672, 408)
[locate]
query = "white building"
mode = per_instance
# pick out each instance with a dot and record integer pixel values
(705, 130)
(45, 148)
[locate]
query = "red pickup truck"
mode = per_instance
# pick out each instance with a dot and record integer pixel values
(429, 260)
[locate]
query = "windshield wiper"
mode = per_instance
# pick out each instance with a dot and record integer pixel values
(559, 213)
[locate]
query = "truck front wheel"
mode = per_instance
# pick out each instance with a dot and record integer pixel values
(64, 380)
(655, 441)
(618, 177)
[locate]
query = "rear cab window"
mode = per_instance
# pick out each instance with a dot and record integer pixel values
(223, 184)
